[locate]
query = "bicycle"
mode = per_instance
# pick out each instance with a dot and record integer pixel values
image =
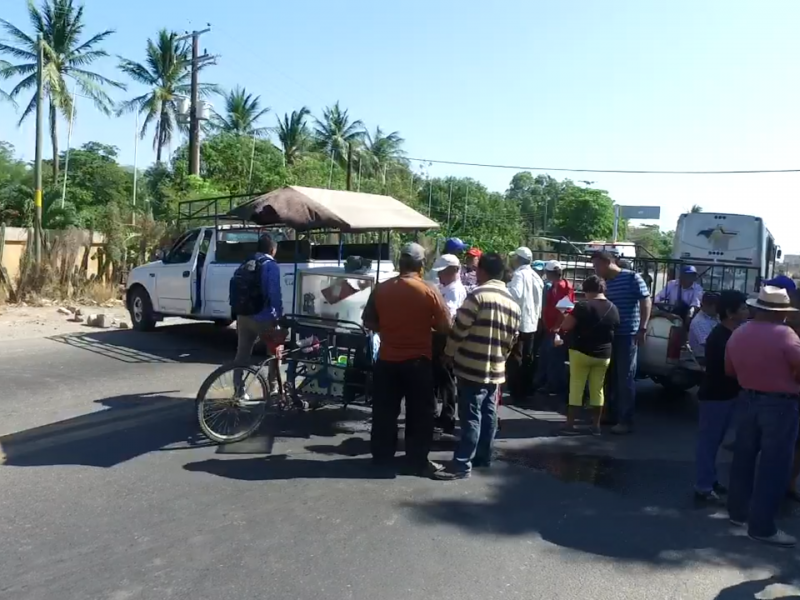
(234, 400)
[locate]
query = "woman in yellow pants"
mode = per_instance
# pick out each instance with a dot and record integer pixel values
(590, 330)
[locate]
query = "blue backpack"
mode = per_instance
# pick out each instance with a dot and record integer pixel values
(246, 296)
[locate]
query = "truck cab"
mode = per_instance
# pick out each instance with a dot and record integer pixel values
(192, 278)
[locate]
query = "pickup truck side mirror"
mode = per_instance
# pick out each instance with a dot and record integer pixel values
(160, 254)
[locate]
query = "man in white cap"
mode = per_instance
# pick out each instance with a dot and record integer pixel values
(764, 357)
(526, 287)
(447, 268)
(551, 372)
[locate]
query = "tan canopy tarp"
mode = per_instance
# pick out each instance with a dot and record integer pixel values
(304, 209)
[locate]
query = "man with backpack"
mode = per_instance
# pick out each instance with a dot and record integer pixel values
(255, 298)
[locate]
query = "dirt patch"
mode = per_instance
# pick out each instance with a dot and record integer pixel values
(19, 322)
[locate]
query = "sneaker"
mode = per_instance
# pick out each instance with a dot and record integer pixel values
(428, 470)
(621, 429)
(737, 522)
(596, 431)
(710, 498)
(720, 489)
(779, 538)
(451, 475)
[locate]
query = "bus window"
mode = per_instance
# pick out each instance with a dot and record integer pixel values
(770, 257)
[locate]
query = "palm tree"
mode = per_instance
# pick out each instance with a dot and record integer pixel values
(242, 111)
(696, 208)
(334, 132)
(166, 71)
(293, 134)
(61, 25)
(382, 150)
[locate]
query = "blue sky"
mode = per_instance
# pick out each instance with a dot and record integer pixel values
(636, 84)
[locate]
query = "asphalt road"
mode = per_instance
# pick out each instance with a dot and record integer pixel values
(108, 492)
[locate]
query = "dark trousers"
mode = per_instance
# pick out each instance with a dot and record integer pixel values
(393, 381)
(444, 383)
(520, 367)
(762, 459)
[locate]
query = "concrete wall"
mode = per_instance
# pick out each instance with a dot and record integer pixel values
(14, 248)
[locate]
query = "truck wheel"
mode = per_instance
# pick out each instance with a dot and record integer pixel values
(141, 310)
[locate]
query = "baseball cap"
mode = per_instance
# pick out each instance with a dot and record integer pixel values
(552, 265)
(445, 261)
(413, 250)
(782, 281)
(689, 270)
(454, 246)
(476, 252)
(524, 253)
(538, 265)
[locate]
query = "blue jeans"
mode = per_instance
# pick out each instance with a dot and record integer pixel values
(477, 414)
(768, 426)
(551, 368)
(715, 418)
(622, 378)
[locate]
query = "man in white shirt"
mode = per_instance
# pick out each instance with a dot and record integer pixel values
(526, 287)
(702, 324)
(447, 268)
(683, 294)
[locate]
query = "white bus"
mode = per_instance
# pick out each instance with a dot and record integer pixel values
(729, 251)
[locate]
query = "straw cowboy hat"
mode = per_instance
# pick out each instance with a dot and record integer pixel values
(772, 298)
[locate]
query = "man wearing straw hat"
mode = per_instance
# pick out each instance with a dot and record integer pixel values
(764, 356)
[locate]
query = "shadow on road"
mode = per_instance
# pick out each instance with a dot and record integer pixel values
(281, 468)
(130, 426)
(625, 510)
(762, 589)
(183, 343)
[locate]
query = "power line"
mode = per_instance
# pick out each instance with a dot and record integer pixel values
(620, 171)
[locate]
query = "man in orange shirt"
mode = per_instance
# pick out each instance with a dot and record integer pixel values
(404, 310)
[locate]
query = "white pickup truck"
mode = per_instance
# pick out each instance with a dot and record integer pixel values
(192, 279)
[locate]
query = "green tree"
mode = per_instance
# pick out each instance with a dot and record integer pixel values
(653, 240)
(537, 198)
(335, 131)
(235, 164)
(66, 55)
(293, 134)
(382, 151)
(584, 214)
(15, 187)
(242, 112)
(166, 71)
(696, 208)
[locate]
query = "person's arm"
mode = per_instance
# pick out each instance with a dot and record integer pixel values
(516, 287)
(271, 288)
(370, 315)
(791, 351)
(645, 305)
(465, 317)
(441, 319)
(663, 295)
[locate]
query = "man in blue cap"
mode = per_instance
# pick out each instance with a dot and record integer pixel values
(683, 294)
(784, 282)
(454, 246)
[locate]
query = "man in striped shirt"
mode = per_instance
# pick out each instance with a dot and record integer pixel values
(483, 334)
(628, 292)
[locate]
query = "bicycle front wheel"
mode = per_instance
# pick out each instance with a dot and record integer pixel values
(232, 403)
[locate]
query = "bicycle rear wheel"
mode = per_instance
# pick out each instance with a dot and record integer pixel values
(232, 403)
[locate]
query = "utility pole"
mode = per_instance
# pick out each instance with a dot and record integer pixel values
(194, 109)
(349, 167)
(37, 163)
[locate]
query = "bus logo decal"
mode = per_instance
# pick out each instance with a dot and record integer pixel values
(719, 237)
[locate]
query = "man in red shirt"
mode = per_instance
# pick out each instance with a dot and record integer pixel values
(551, 370)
